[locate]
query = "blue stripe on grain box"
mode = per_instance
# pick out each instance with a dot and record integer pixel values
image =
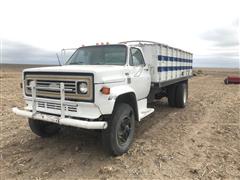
(173, 68)
(169, 58)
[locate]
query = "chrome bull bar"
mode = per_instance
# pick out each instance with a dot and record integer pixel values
(62, 120)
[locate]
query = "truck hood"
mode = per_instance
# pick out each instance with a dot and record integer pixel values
(102, 73)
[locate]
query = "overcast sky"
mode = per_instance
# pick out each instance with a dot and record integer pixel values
(33, 31)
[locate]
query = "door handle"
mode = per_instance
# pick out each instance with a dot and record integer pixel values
(146, 69)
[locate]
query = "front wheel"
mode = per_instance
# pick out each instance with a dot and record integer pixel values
(118, 137)
(42, 128)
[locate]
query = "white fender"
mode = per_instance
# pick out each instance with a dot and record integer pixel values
(106, 103)
(119, 90)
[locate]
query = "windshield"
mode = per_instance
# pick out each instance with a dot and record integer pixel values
(99, 55)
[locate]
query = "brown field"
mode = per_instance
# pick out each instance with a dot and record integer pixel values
(201, 141)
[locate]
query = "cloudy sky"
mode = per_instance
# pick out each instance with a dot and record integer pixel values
(33, 31)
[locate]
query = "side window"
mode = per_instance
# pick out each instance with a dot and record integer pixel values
(136, 57)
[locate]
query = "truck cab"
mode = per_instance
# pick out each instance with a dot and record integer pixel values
(104, 87)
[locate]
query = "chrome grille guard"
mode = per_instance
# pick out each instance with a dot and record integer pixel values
(62, 120)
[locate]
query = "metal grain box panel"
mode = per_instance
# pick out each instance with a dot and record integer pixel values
(166, 63)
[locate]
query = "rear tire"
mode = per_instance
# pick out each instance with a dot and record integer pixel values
(171, 91)
(118, 137)
(42, 128)
(181, 95)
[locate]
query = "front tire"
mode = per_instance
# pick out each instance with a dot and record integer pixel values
(118, 137)
(42, 128)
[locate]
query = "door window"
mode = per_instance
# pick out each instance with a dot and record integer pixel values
(136, 57)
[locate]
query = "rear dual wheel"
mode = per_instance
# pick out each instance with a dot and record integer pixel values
(171, 91)
(178, 94)
(181, 95)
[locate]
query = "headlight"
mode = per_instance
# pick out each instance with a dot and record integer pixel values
(82, 88)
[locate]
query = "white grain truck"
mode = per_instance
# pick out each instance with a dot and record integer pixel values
(105, 87)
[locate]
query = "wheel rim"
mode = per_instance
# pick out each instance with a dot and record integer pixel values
(124, 129)
(184, 95)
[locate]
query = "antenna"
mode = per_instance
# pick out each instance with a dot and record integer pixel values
(58, 59)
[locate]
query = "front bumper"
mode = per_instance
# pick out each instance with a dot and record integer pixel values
(62, 116)
(62, 121)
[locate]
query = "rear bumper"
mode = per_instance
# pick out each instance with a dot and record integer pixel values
(61, 120)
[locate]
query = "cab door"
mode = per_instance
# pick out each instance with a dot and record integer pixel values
(139, 74)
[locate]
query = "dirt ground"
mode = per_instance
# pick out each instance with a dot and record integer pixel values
(201, 141)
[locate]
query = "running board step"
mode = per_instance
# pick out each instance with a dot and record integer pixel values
(145, 112)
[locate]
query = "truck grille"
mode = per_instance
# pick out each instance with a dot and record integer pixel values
(51, 81)
(56, 106)
(71, 85)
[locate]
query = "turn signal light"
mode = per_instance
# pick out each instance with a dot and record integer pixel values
(105, 90)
